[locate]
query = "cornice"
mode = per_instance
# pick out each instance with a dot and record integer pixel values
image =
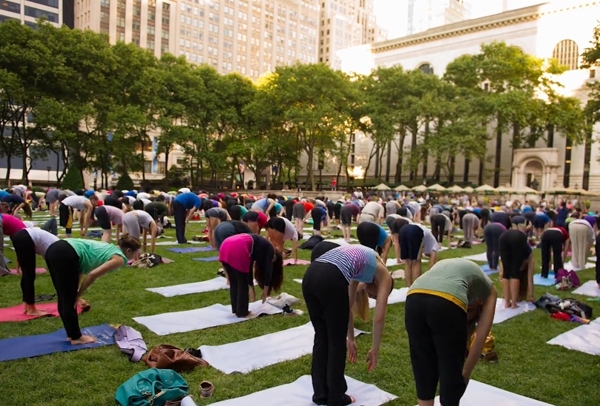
(480, 24)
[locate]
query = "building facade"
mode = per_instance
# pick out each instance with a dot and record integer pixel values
(426, 14)
(553, 162)
(57, 12)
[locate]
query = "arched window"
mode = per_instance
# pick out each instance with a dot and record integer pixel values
(567, 54)
(426, 69)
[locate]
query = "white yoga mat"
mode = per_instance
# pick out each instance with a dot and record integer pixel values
(479, 394)
(569, 266)
(585, 338)
(592, 259)
(477, 257)
(163, 243)
(298, 281)
(299, 393)
(199, 319)
(341, 241)
(249, 355)
(502, 313)
(590, 288)
(397, 296)
(210, 285)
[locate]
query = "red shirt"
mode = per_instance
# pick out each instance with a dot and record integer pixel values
(308, 206)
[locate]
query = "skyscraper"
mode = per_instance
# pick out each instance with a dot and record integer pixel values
(344, 24)
(426, 14)
(28, 11)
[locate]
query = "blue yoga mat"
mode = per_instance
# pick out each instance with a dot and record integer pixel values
(189, 250)
(539, 281)
(208, 259)
(486, 268)
(44, 344)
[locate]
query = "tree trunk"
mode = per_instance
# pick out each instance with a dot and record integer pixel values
(310, 154)
(425, 153)
(451, 169)
(371, 155)
(438, 169)
(167, 152)
(550, 129)
(498, 157)
(466, 171)
(585, 184)
(481, 171)
(399, 162)
(516, 144)
(413, 169)
(388, 162)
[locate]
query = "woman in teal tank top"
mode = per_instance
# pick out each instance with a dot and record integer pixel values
(74, 264)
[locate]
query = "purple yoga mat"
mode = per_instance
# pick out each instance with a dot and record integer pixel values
(207, 259)
(190, 250)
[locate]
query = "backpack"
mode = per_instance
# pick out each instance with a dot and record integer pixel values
(566, 280)
(152, 387)
(571, 307)
(148, 261)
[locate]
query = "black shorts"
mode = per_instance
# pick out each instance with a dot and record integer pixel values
(346, 216)
(539, 222)
(438, 226)
(389, 220)
(398, 224)
(102, 216)
(337, 209)
(298, 211)
(368, 234)
(316, 214)
(277, 224)
(235, 212)
(410, 238)
(514, 250)
(437, 336)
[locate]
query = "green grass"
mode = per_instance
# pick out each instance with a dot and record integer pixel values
(527, 365)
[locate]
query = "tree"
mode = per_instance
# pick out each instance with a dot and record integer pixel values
(72, 180)
(591, 58)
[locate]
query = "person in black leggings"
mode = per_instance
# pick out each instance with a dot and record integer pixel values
(394, 232)
(374, 236)
(491, 235)
(438, 227)
(318, 215)
(411, 238)
(555, 243)
(517, 267)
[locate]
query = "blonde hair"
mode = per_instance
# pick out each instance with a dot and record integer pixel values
(361, 305)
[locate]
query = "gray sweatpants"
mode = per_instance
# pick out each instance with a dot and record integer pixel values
(468, 224)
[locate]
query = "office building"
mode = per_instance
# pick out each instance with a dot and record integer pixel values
(29, 11)
(426, 14)
(344, 24)
(245, 36)
(147, 23)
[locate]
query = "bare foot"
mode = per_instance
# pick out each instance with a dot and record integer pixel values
(83, 340)
(35, 312)
(250, 315)
(515, 306)
(507, 304)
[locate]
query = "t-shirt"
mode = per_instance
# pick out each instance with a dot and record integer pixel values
(563, 231)
(188, 200)
(3, 193)
(458, 280)
(42, 240)
(354, 209)
(290, 232)
(143, 195)
(592, 236)
(13, 199)
(93, 254)
(76, 202)
(262, 204)
(144, 219)
(242, 250)
(11, 225)
(383, 235)
(374, 209)
(392, 207)
(216, 213)
(159, 208)
(429, 242)
(308, 206)
(355, 262)
(114, 215)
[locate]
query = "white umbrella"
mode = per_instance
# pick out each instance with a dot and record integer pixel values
(504, 189)
(436, 188)
(526, 191)
(382, 186)
(455, 189)
(420, 189)
(485, 189)
(401, 188)
(469, 190)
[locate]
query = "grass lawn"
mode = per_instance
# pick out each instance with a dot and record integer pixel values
(527, 365)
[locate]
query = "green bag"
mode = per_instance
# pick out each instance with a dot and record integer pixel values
(152, 387)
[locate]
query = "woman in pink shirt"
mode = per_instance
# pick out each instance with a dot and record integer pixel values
(9, 225)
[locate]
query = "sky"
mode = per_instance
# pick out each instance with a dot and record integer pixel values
(393, 14)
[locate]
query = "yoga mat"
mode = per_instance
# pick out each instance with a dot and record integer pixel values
(569, 266)
(210, 285)
(44, 344)
(477, 257)
(590, 288)
(585, 338)
(199, 319)
(478, 394)
(290, 262)
(399, 274)
(397, 296)
(189, 250)
(249, 355)
(502, 313)
(15, 313)
(592, 259)
(341, 241)
(207, 259)
(299, 393)
(37, 271)
(539, 281)
(392, 262)
(298, 281)
(167, 243)
(486, 268)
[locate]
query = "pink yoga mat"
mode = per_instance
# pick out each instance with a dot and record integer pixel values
(290, 262)
(15, 313)
(37, 271)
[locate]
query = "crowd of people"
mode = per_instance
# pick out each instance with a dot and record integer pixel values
(444, 306)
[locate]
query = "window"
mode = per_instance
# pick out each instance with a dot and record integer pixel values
(49, 3)
(426, 69)
(567, 54)
(10, 6)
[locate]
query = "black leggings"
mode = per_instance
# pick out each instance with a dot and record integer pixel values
(491, 235)
(25, 250)
(239, 283)
(103, 218)
(438, 227)
(65, 215)
(552, 243)
(437, 336)
(513, 249)
(63, 264)
(179, 213)
(325, 292)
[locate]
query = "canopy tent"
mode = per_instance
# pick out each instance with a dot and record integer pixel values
(485, 189)
(469, 190)
(382, 186)
(401, 188)
(455, 189)
(559, 190)
(436, 188)
(504, 190)
(526, 191)
(420, 189)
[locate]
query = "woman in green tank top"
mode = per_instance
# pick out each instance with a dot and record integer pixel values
(74, 264)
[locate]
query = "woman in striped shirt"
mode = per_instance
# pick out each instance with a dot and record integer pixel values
(329, 288)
